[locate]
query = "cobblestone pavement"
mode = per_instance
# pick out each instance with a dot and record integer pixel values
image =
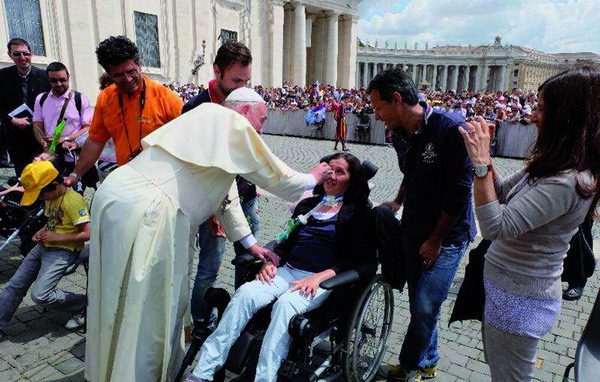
(40, 349)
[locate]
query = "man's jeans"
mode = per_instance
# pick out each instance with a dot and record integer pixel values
(427, 290)
(212, 249)
(45, 266)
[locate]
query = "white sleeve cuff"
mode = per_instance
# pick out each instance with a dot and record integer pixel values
(311, 182)
(248, 241)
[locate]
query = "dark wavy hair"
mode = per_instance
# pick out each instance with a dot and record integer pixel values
(115, 50)
(358, 189)
(230, 53)
(392, 81)
(569, 136)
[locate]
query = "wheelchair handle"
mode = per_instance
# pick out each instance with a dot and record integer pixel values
(370, 169)
(344, 278)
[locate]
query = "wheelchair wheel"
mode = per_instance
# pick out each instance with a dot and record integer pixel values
(368, 331)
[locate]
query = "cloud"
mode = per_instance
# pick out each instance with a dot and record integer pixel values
(550, 26)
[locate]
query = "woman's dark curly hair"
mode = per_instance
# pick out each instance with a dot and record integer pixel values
(116, 49)
(358, 190)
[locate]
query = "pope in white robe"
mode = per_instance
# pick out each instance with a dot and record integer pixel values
(144, 217)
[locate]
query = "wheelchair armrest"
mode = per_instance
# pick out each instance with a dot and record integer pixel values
(247, 259)
(243, 260)
(344, 278)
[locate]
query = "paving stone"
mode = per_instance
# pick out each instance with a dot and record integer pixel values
(29, 316)
(70, 365)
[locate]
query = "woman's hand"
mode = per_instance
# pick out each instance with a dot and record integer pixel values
(267, 273)
(477, 141)
(307, 286)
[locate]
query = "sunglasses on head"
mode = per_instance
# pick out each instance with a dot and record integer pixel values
(57, 80)
(24, 54)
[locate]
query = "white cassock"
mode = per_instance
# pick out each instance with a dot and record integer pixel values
(145, 216)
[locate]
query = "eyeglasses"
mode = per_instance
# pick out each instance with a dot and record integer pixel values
(57, 80)
(121, 76)
(24, 54)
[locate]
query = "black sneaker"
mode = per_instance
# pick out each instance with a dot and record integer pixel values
(572, 294)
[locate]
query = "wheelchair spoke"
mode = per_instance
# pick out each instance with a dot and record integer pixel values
(366, 343)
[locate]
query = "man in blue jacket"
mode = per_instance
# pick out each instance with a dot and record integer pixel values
(437, 218)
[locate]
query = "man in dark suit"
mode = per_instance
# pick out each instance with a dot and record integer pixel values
(20, 84)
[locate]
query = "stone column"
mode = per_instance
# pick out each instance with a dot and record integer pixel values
(368, 73)
(299, 52)
(277, 44)
(502, 78)
(476, 75)
(444, 78)
(414, 73)
(454, 78)
(434, 78)
(485, 70)
(365, 80)
(467, 77)
(332, 49)
(347, 51)
(288, 43)
(423, 73)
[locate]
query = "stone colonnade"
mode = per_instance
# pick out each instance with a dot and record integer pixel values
(441, 76)
(316, 44)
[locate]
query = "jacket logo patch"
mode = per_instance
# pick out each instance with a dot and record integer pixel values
(429, 154)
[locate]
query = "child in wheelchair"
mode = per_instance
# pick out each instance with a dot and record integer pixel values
(58, 245)
(332, 232)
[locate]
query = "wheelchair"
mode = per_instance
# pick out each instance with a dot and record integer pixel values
(344, 339)
(337, 341)
(17, 221)
(362, 131)
(587, 356)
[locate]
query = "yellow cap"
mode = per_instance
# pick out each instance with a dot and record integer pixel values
(34, 177)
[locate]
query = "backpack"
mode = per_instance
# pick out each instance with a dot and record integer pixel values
(77, 100)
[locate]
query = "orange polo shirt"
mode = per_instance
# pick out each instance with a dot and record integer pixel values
(161, 106)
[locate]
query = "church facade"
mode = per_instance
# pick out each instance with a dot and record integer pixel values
(299, 41)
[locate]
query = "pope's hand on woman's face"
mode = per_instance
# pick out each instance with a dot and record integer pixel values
(477, 140)
(321, 172)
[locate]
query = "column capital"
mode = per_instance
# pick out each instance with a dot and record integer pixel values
(349, 17)
(332, 14)
(279, 3)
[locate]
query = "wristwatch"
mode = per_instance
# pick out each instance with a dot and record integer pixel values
(481, 170)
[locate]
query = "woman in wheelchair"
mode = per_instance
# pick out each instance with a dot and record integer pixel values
(335, 233)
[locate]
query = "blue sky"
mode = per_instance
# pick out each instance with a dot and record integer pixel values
(549, 25)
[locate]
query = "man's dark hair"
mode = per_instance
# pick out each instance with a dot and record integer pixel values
(17, 41)
(231, 53)
(392, 81)
(115, 50)
(56, 67)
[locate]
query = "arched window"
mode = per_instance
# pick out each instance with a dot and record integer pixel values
(24, 21)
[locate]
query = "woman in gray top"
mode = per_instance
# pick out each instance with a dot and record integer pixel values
(532, 215)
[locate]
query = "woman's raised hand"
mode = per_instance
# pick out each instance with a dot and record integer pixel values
(477, 140)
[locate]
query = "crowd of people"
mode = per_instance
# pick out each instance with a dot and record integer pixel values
(179, 171)
(514, 106)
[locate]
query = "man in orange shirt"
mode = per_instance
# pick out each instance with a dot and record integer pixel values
(127, 111)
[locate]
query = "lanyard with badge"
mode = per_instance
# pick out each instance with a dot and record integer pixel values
(292, 224)
(133, 153)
